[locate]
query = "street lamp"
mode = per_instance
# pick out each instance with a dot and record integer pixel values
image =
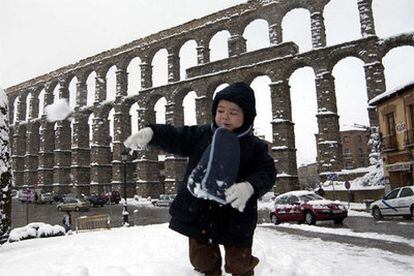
(125, 213)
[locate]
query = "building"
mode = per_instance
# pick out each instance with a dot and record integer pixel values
(308, 176)
(355, 150)
(396, 122)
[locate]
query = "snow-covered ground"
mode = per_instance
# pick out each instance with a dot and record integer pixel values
(156, 250)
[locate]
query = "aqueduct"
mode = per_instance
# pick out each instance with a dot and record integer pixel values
(62, 156)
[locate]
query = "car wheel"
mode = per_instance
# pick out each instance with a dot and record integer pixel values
(376, 213)
(412, 210)
(274, 219)
(338, 220)
(77, 209)
(310, 218)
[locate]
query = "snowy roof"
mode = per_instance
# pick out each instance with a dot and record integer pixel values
(391, 93)
(297, 193)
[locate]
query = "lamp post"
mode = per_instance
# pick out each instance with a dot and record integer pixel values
(125, 213)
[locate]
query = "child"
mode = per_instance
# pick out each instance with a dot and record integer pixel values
(206, 222)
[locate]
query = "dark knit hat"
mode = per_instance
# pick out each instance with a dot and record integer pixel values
(242, 95)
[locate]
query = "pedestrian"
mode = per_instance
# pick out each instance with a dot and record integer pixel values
(67, 222)
(208, 223)
(320, 191)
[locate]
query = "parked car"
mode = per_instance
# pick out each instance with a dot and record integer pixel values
(26, 195)
(58, 197)
(114, 197)
(46, 198)
(165, 200)
(73, 204)
(98, 200)
(398, 202)
(306, 206)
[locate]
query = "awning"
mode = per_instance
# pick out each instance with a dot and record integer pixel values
(399, 166)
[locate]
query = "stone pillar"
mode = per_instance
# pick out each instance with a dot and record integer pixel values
(81, 93)
(18, 156)
(122, 129)
(81, 155)
(173, 65)
(275, 32)
(148, 178)
(283, 148)
(46, 148)
(146, 73)
(62, 152)
(34, 106)
(21, 108)
(318, 30)
(366, 18)
(328, 142)
(236, 44)
(121, 82)
(32, 150)
(101, 168)
(100, 86)
(374, 76)
(203, 51)
(174, 165)
(203, 110)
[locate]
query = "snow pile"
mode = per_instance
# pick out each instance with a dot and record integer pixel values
(36, 230)
(375, 177)
(58, 111)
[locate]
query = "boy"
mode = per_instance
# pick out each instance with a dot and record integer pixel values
(206, 222)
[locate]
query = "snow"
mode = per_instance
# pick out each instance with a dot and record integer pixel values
(58, 111)
(390, 93)
(156, 250)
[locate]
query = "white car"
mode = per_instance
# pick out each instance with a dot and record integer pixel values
(398, 202)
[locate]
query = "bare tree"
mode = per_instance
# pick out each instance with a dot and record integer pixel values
(5, 174)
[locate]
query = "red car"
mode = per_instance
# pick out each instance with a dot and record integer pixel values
(306, 206)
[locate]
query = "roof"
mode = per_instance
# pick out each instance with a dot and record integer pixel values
(391, 93)
(296, 193)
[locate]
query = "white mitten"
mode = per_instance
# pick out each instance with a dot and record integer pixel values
(238, 194)
(140, 139)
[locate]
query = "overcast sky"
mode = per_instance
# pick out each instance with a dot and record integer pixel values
(38, 36)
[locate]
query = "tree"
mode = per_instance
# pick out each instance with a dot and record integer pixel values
(5, 174)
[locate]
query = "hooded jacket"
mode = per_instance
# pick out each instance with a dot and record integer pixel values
(206, 220)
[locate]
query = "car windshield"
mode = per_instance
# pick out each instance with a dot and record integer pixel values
(309, 197)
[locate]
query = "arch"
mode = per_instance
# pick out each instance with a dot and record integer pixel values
(111, 83)
(304, 103)
(263, 120)
(90, 87)
(218, 45)
(27, 101)
(188, 56)
(398, 66)
(72, 92)
(133, 112)
(189, 108)
(134, 76)
(351, 92)
(159, 109)
(341, 21)
(56, 93)
(110, 118)
(41, 102)
(90, 124)
(296, 27)
(160, 68)
(256, 34)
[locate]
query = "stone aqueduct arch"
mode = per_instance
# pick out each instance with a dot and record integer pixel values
(49, 155)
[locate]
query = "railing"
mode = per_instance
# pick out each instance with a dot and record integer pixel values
(389, 142)
(90, 223)
(409, 138)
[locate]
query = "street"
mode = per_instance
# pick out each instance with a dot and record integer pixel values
(329, 231)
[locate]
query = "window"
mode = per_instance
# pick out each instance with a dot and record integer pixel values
(390, 123)
(347, 152)
(393, 194)
(345, 139)
(359, 139)
(406, 192)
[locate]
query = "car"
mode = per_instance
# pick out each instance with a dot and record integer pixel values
(46, 198)
(306, 206)
(398, 202)
(26, 195)
(165, 200)
(73, 204)
(98, 200)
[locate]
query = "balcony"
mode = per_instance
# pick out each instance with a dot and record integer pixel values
(409, 138)
(389, 143)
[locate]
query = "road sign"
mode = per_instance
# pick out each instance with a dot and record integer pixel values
(347, 185)
(333, 176)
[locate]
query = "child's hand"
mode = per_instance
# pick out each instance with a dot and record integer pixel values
(238, 194)
(140, 139)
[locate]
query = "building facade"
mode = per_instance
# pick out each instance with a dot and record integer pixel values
(355, 150)
(396, 122)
